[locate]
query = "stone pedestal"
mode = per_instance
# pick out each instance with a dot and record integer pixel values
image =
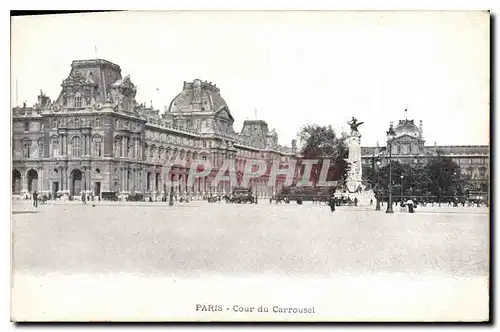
(354, 175)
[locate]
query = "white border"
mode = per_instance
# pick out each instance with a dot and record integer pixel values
(186, 5)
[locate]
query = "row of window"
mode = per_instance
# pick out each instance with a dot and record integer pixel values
(55, 147)
(463, 161)
(76, 122)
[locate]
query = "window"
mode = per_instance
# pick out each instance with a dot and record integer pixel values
(98, 122)
(482, 172)
(54, 124)
(78, 101)
(77, 123)
(40, 149)
(55, 147)
(204, 144)
(129, 147)
(97, 147)
(26, 126)
(204, 157)
(26, 148)
(76, 146)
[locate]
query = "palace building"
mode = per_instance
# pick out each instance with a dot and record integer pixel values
(408, 147)
(97, 138)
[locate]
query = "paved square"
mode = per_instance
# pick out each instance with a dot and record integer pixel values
(237, 240)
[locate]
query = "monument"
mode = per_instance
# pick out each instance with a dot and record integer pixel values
(353, 142)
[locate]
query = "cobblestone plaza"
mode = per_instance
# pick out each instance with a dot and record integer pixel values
(199, 238)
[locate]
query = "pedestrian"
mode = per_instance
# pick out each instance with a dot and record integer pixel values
(371, 201)
(35, 199)
(355, 201)
(410, 206)
(83, 198)
(331, 202)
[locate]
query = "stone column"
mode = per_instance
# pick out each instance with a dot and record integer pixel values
(61, 144)
(24, 182)
(65, 145)
(61, 176)
(39, 180)
(124, 147)
(140, 180)
(89, 179)
(90, 145)
(122, 179)
(66, 179)
(84, 142)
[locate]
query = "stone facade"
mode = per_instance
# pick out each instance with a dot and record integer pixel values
(97, 138)
(409, 148)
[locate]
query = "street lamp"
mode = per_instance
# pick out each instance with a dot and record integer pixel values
(402, 189)
(390, 136)
(377, 207)
(171, 198)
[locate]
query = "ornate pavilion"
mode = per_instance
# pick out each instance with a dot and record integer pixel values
(408, 147)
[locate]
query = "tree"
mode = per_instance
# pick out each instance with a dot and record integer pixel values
(321, 143)
(439, 177)
(443, 177)
(369, 175)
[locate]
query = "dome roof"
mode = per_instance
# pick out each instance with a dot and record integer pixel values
(407, 127)
(198, 96)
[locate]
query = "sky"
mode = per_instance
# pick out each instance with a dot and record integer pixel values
(288, 68)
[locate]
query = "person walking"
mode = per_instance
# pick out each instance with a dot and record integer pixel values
(355, 201)
(331, 202)
(35, 199)
(411, 206)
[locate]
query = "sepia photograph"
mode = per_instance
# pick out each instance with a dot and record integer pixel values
(250, 166)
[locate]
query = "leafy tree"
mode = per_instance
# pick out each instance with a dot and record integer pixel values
(369, 175)
(443, 177)
(321, 143)
(439, 177)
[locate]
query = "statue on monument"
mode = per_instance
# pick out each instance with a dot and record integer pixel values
(354, 125)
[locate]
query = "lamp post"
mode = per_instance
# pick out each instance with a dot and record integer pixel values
(402, 189)
(171, 197)
(390, 136)
(377, 207)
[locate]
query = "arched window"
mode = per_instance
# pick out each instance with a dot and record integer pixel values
(97, 122)
(77, 123)
(482, 172)
(97, 146)
(27, 148)
(54, 124)
(76, 146)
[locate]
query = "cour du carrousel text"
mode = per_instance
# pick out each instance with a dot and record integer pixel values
(251, 309)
